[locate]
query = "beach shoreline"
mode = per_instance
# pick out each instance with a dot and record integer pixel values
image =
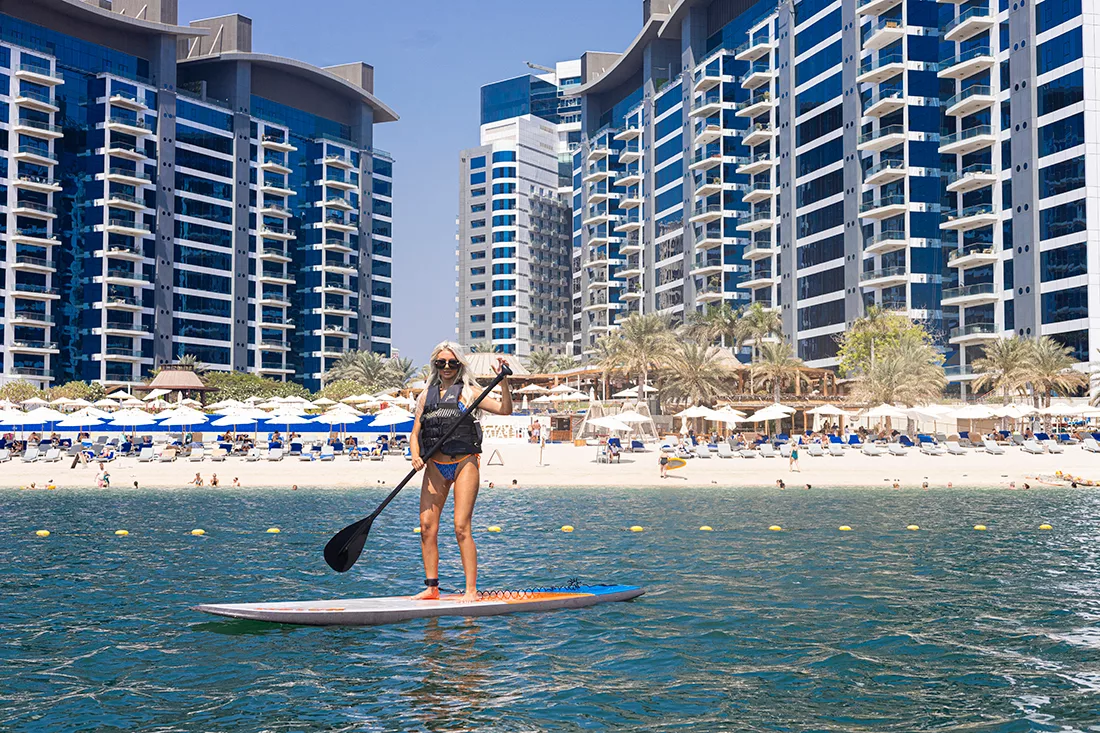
(565, 465)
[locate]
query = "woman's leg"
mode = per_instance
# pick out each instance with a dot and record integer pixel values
(466, 485)
(433, 495)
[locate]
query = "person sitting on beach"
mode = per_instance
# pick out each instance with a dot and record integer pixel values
(613, 453)
(214, 480)
(236, 482)
(354, 452)
(197, 481)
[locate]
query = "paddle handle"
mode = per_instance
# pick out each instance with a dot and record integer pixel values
(504, 373)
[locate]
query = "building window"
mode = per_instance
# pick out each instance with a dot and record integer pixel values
(478, 162)
(1062, 220)
(478, 177)
(1056, 264)
(1066, 305)
(503, 156)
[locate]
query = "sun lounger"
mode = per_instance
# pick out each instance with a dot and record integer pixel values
(724, 450)
(854, 441)
(897, 449)
(253, 455)
(198, 453)
(815, 449)
(767, 451)
(929, 447)
(108, 456)
(30, 456)
(955, 449)
(836, 449)
(328, 453)
(275, 454)
(1089, 444)
(637, 446)
(906, 441)
(305, 455)
(295, 449)
(701, 451)
(1033, 446)
(53, 455)
(1016, 439)
(990, 446)
(218, 454)
(5, 455)
(835, 440)
(964, 439)
(1050, 445)
(747, 453)
(869, 449)
(785, 450)
(1067, 439)
(146, 455)
(941, 438)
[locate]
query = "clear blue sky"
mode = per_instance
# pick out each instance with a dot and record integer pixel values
(430, 57)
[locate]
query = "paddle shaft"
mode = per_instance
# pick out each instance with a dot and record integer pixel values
(505, 372)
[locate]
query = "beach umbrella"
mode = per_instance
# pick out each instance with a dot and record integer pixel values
(253, 400)
(79, 403)
(631, 416)
(529, 389)
(561, 389)
(106, 403)
(44, 415)
(884, 411)
(523, 404)
(323, 402)
(271, 405)
(771, 412)
(195, 416)
(34, 402)
(224, 404)
(287, 419)
(403, 401)
(609, 422)
(544, 400)
(133, 418)
(120, 395)
(625, 393)
(59, 401)
(79, 421)
(132, 402)
(973, 412)
(828, 411)
(159, 404)
(240, 417)
(693, 411)
(179, 420)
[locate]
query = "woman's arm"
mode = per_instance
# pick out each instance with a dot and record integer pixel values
(503, 406)
(414, 437)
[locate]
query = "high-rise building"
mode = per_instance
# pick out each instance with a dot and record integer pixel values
(514, 252)
(169, 191)
(825, 155)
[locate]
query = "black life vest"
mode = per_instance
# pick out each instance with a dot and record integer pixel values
(439, 414)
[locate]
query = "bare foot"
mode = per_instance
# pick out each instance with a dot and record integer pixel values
(470, 597)
(428, 594)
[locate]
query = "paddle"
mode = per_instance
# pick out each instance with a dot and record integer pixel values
(344, 548)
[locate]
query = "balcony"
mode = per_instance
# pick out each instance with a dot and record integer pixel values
(631, 245)
(338, 160)
(967, 295)
(968, 24)
(974, 98)
(757, 164)
(968, 141)
(125, 251)
(705, 159)
(968, 63)
(628, 178)
(704, 213)
(758, 191)
(127, 126)
(126, 277)
(973, 256)
(599, 149)
(753, 49)
(31, 318)
(129, 151)
(875, 7)
(339, 224)
(885, 171)
(274, 276)
(276, 165)
(758, 74)
(277, 142)
(756, 105)
(710, 290)
(890, 240)
(339, 267)
(39, 75)
(882, 33)
(277, 210)
(128, 177)
(760, 250)
(758, 133)
(284, 234)
(707, 105)
(632, 222)
(632, 292)
(41, 184)
(127, 100)
(337, 244)
(706, 184)
(598, 192)
(757, 221)
(279, 188)
(708, 237)
(271, 321)
(342, 332)
(629, 133)
(274, 345)
(883, 102)
(336, 202)
(34, 128)
(971, 178)
(630, 153)
(35, 155)
(34, 347)
(125, 201)
(340, 308)
(882, 139)
(337, 288)
(31, 263)
(958, 372)
(276, 300)
(707, 131)
(35, 209)
(597, 301)
(339, 182)
(38, 292)
(122, 302)
(30, 372)
(127, 227)
(121, 353)
(877, 70)
(758, 279)
(886, 277)
(632, 199)
(884, 208)
(973, 333)
(595, 216)
(36, 100)
(971, 217)
(37, 237)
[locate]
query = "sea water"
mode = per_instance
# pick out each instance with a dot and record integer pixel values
(741, 629)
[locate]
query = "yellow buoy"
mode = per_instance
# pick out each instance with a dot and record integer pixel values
(121, 533)
(845, 528)
(636, 528)
(706, 528)
(494, 528)
(567, 528)
(198, 532)
(417, 530)
(1045, 526)
(979, 527)
(273, 530)
(43, 533)
(775, 528)
(913, 527)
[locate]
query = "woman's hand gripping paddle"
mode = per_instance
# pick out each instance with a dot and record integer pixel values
(344, 548)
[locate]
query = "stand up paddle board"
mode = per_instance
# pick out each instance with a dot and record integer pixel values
(674, 463)
(372, 611)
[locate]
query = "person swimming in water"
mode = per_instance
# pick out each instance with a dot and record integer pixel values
(451, 387)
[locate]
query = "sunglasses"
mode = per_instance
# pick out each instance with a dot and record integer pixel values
(447, 363)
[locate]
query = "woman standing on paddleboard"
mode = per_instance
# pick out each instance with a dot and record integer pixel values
(451, 387)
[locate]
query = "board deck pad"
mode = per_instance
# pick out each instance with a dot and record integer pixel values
(394, 609)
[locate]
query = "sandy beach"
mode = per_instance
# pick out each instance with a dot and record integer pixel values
(569, 466)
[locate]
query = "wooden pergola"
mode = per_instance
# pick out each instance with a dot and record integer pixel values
(178, 378)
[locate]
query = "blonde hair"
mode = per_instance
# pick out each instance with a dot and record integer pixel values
(464, 377)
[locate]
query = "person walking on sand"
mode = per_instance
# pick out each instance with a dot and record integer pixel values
(793, 463)
(663, 463)
(451, 387)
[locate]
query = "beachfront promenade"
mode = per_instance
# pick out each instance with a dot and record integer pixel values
(566, 465)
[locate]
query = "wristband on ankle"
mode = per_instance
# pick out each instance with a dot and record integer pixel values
(431, 582)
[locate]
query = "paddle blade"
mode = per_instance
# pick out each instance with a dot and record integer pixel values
(344, 548)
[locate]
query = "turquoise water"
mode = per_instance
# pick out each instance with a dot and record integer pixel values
(809, 629)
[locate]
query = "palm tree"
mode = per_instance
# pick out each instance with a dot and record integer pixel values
(483, 347)
(909, 371)
(1050, 369)
(607, 357)
(777, 363)
(1003, 366)
(564, 362)
(646, 342)
(542, 361)
(697, 373)
(365, 367)
(192, 361)
(721, 323)
(876, 324)
(756, 324)
(400, 369)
